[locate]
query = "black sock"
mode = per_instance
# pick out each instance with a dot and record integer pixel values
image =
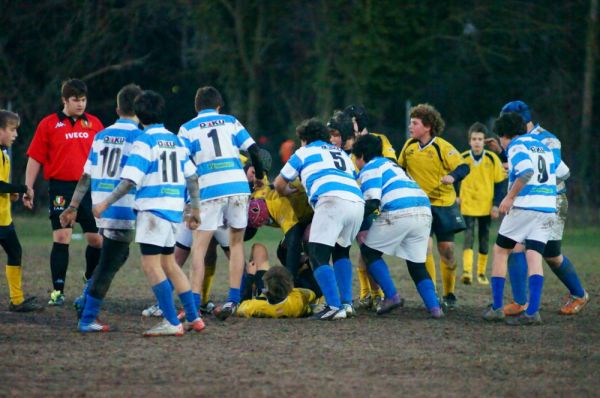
(92, 257)
(59, 261)
(114, 254)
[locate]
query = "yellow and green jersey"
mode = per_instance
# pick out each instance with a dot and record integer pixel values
(296, 305)
(427, 165)
(477, 188)
(5, 211)
(286, 211)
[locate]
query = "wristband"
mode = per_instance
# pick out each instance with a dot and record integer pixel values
(72, 207)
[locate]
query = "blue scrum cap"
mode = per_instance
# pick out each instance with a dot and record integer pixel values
(518, 107)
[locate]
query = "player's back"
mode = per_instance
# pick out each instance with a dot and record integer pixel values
(552, 142)
(214, 141)
(528, 154)
(325, 170)
(383, 179)
(107, 157)
(158, 164)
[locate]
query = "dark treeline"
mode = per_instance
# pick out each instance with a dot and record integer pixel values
(278, 62)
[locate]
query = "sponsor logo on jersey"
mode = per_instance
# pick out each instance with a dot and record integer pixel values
(212, 123)
(537, 149)
(165, 144)
(76, 134)
(59, 124)
(114, 140)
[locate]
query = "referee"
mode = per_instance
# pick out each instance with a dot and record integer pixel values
(60, 145)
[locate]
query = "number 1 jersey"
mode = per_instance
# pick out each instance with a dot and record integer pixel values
(214, 141)
(109, 153)
(158, 164)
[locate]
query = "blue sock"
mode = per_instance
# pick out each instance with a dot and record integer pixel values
(325, 277)
(536, 283)
(171, 284)
(568, 276)
(498, 291)
(190, 308)
(86, 287)
(343, 275)
(427, 291)
(517, 271)
(381, 273)
(234, 295)
(197, 299)
(164, 295)
(91, 309)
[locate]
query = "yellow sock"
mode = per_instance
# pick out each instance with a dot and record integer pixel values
(430, 266)
(363, 281)
(468, 261)
(377, 293)
(209, 274)
(481, 263)
(13, 276)
(448, 277)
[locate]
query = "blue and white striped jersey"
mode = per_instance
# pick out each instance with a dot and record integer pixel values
(214, 142)
(527, 154)
(552, 142)
(107, 157)
(325, 170)
(385, 181)
(158, 164)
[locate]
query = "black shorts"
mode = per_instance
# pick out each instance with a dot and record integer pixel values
(59, 197)
(447, 221)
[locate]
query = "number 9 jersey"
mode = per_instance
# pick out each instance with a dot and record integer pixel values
(325, 170)
(106, 159)
(158, 165)
(214, 141)
(527, 154)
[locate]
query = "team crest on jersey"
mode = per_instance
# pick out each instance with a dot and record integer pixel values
(165, 144)
(59, 201)
(85, 123)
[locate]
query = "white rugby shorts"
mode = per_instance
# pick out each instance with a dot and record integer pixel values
(402, 233)
(520, 225)
(558, 228)
(153, 230)
(230, 211)
(336, 220)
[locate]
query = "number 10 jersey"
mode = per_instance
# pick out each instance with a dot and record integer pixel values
(214, 141)
(109, 153)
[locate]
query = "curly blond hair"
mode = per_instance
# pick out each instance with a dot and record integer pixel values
(430, 117)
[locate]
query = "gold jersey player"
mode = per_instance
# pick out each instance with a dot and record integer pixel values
(480, 194)
(436, 165)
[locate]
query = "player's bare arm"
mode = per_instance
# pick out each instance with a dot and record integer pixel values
(31, 173)
(283, 187)
(68, 216)
(516, 187)
(193, 188)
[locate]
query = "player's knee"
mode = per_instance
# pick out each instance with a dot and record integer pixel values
(340, 252)
(447, 253)
(319, 254)
(260, 256)
(94, 239)
(62, 236)
(369, 255)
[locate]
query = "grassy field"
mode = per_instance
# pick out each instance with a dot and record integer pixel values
(403, 352)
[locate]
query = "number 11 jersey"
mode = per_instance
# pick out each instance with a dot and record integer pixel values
(158, 165)
(109, 153)
(214, 141)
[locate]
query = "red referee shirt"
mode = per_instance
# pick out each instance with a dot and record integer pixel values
(62, 145)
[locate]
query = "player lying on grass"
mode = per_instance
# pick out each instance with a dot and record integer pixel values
(530, 207)
(329, 178)
(9, 122)
(160, 168)
(279, 299)
(102, 172)
(401, 229)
